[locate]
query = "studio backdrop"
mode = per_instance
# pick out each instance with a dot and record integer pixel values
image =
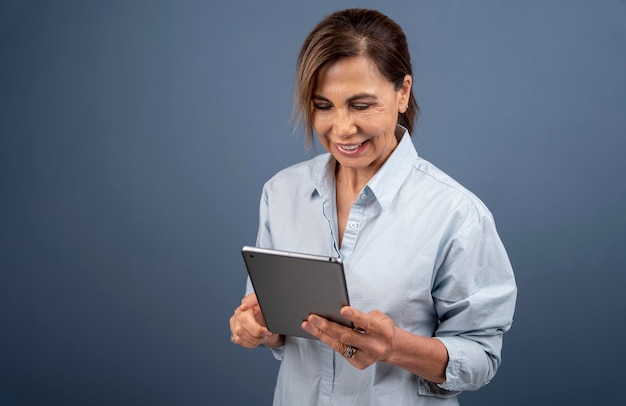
(135, 138)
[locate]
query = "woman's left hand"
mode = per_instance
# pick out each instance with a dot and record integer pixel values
(372, 336)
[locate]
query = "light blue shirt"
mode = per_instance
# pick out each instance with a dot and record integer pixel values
(419, 247)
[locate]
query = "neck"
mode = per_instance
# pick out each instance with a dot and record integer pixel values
(352, 180)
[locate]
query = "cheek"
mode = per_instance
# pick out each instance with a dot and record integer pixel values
(318, 122)
(321, 127)
(323, 139)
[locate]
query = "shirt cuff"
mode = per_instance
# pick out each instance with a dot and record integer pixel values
(464, 371)
(278, 352)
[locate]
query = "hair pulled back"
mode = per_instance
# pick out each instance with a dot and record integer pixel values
(349, 33)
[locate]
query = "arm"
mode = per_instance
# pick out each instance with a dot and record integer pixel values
(377, 338)
(474, 294)
(247, 324)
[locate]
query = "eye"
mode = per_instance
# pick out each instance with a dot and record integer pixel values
(361, 106)
(322, 106)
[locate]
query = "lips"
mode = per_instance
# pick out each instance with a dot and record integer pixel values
(350, 148)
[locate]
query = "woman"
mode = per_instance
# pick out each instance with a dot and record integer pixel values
(431, 288)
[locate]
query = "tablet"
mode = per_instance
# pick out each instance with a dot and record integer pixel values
(290, 286)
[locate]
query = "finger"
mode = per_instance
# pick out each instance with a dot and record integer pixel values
(234, 337)
(244, 341)
(332, 334)
(357, 317)
(377, 331)
(246, 330)
(248, 302)
(251, 302)
(252, 335)
(247, 341)
(249, 324)
(235, 330)
(338, 338)
(368, 323)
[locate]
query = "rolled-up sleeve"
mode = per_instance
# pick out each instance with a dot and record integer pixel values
(475, 295)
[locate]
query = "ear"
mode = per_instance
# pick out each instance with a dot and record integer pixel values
(404, 93)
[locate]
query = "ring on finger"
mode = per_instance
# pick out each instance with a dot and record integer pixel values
(349, 352)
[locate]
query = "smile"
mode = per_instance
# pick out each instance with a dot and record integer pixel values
(349, 147)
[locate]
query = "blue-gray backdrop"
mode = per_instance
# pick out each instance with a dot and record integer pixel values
(136, 136)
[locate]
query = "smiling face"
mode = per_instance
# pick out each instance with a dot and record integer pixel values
(355, 112)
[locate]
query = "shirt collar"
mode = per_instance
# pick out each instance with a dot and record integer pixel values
(387, 181)
(324, 182)
(384, 184)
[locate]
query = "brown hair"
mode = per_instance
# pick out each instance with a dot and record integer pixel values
(346, 33)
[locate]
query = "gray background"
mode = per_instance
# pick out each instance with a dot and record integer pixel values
(136, 136)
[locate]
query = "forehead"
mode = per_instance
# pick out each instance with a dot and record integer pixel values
(356, 71)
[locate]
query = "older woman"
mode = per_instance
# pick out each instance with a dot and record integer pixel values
(431, 287)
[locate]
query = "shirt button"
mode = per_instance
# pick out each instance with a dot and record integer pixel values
(363, 196)
(354, 226)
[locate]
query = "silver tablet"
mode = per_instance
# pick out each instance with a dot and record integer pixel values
(291, 286)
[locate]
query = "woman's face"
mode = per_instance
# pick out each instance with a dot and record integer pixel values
(355, 111)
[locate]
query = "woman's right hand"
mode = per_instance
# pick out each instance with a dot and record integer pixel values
(248, 328)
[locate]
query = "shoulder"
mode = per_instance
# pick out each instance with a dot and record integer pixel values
(299, 177)
(430, 185)
(441, 188)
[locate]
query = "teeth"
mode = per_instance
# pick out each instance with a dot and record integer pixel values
(351, 147)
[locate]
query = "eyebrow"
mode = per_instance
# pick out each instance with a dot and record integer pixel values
(350, 99)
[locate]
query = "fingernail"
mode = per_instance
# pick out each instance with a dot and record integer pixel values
(315, 321)
(307, 327)
(347, 312)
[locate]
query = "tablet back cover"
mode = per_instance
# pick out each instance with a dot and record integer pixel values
(290, 286)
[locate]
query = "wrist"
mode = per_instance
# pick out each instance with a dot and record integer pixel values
(392, 347)
(275, 341)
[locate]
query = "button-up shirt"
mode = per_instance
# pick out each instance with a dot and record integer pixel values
(419, 247)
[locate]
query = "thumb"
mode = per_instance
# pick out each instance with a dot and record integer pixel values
(249, 302)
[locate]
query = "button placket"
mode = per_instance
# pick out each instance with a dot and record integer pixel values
(353, 226)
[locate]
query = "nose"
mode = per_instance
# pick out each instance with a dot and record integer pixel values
(343, 124)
